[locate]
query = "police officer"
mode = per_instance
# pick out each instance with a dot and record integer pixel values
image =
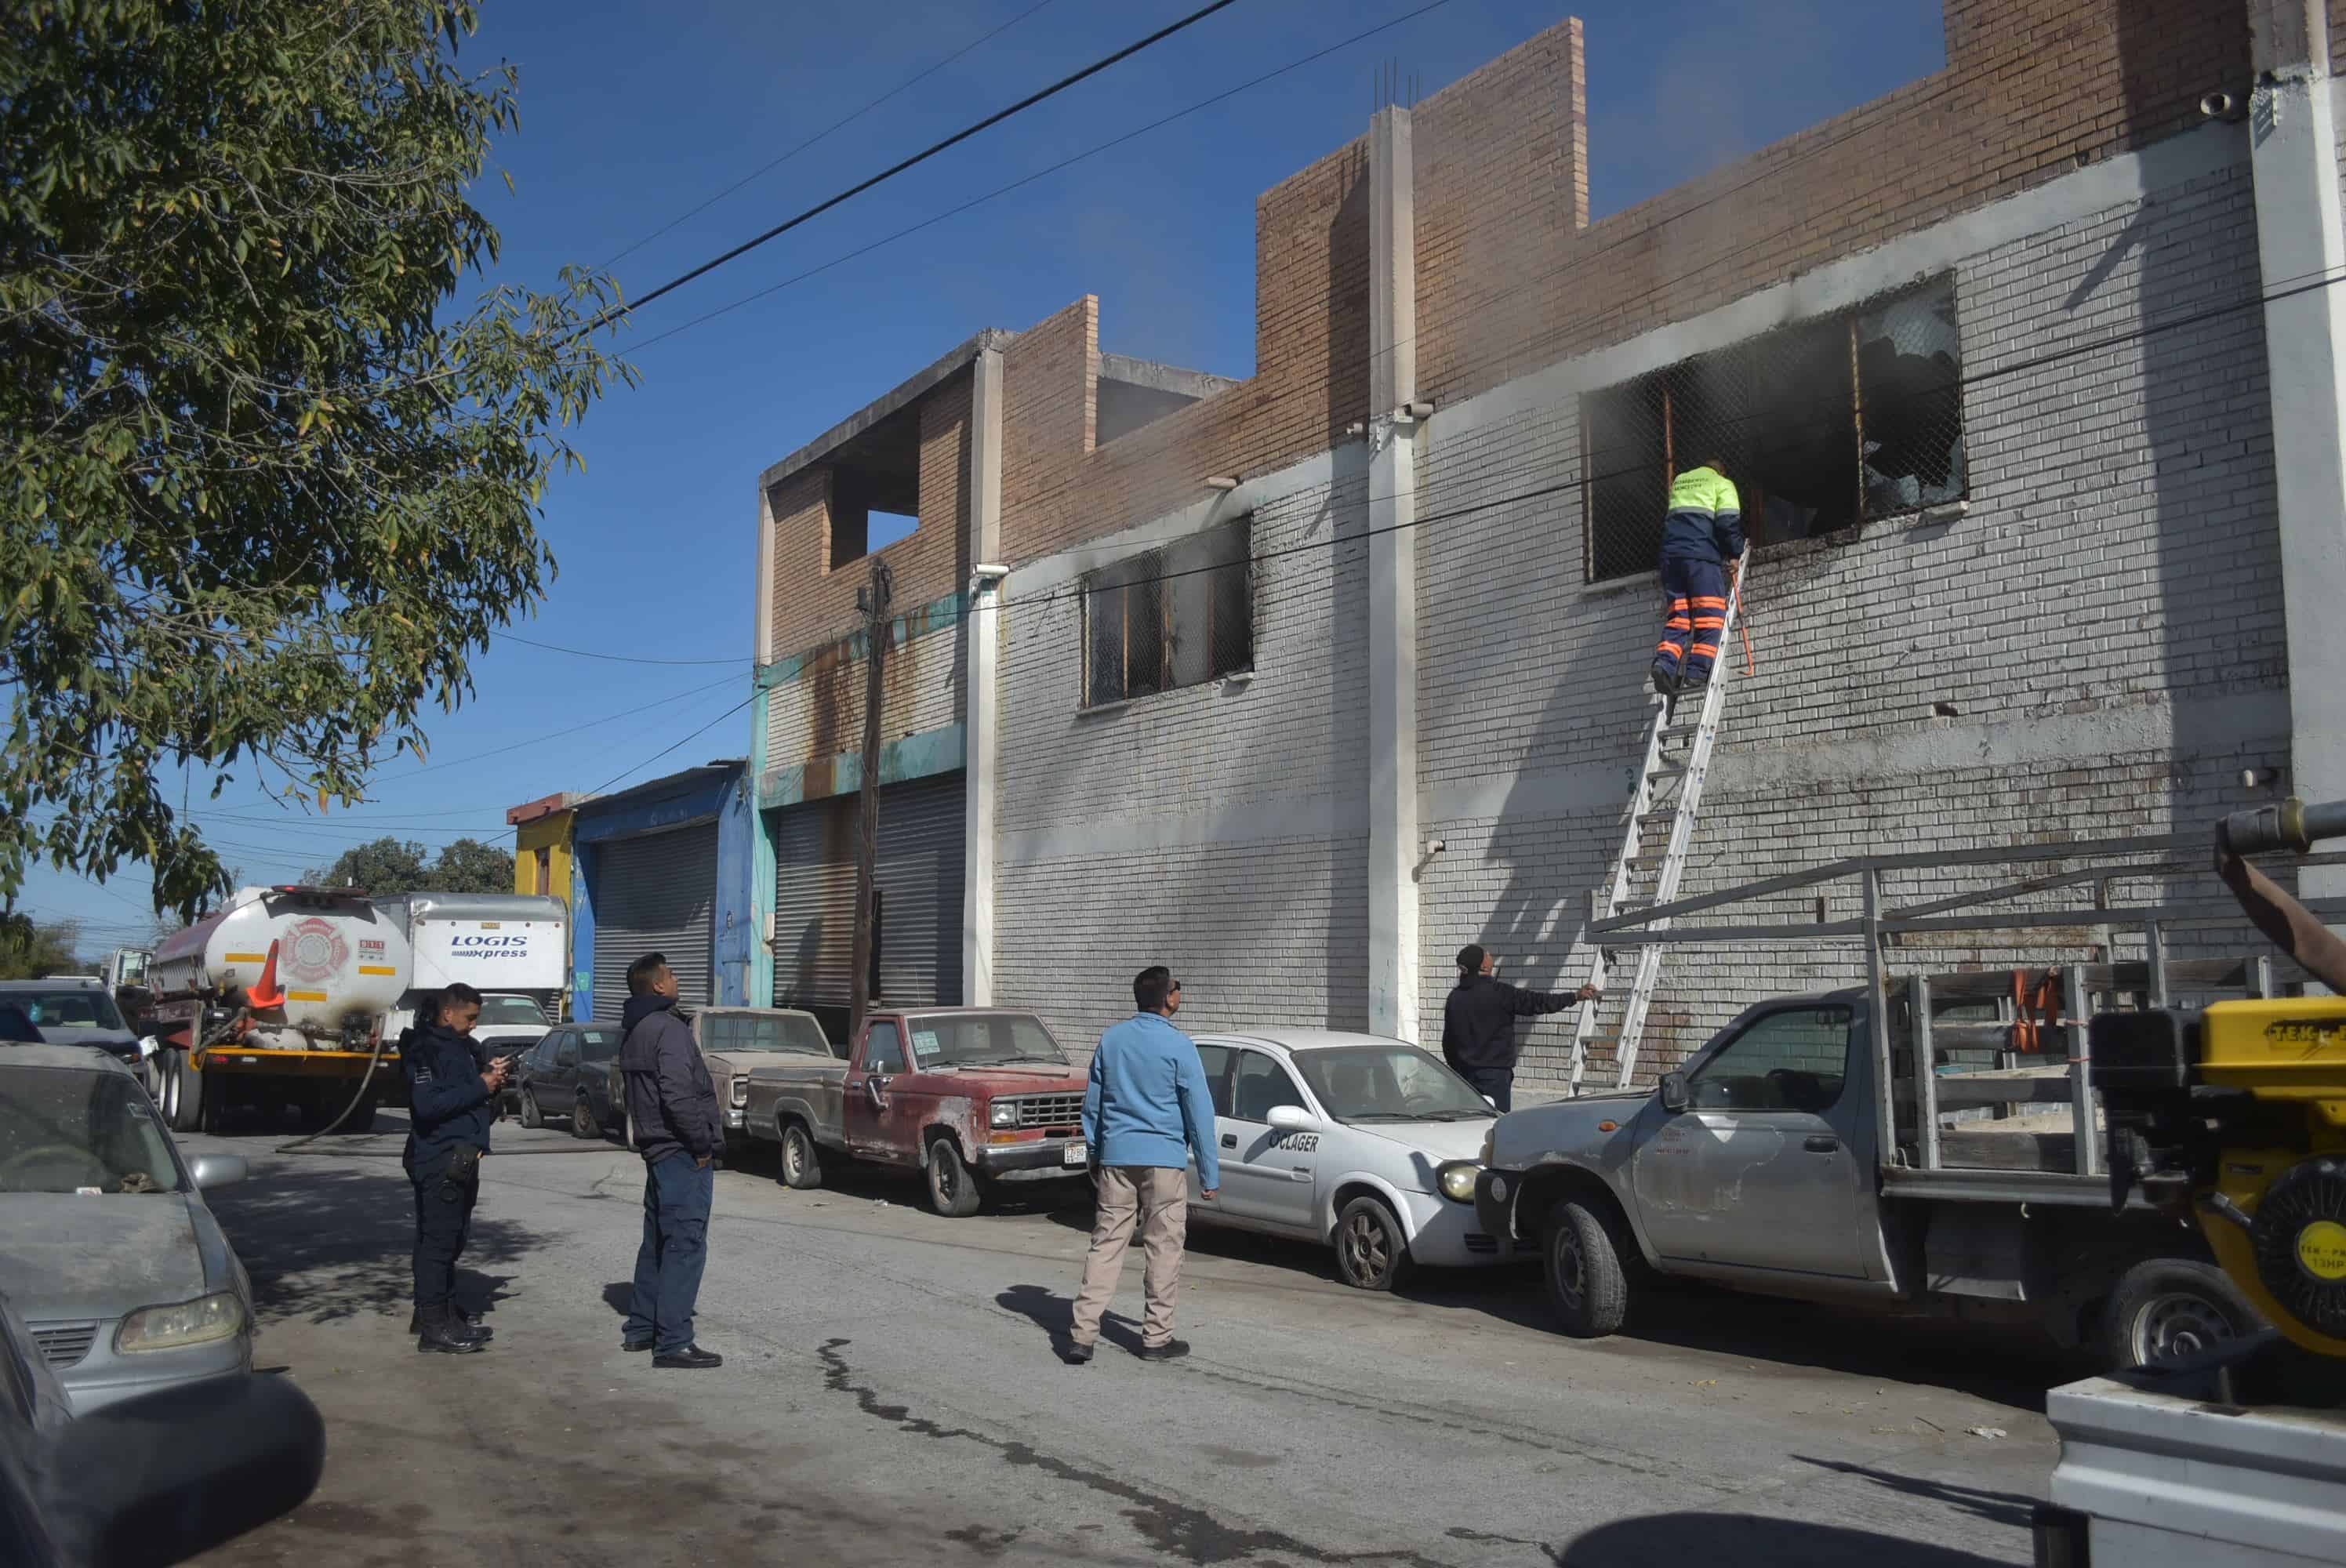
(450, 1104)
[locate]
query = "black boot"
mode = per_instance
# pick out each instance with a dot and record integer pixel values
(443, 1332)
(463, 1323)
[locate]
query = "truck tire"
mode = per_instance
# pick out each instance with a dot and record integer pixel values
(2167, 1308)
(1587, 1288)
(800, 1165)
(1372, 1253)
(953, 1189)
(361, 1117)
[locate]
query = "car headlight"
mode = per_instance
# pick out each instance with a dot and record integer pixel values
(181, 1324)
(1456, 1180)
(1005, 1113)
(740, 1089)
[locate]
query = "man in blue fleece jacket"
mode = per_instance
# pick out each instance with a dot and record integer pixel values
(1147, 1111)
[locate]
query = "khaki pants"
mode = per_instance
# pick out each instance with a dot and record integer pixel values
(1157, 1202)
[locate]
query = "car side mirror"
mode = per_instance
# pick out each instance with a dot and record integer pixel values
(211, 1171)
(1675, 1096)
(1292, 1119)
(872, 1086)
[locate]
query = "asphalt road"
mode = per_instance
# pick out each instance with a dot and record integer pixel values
(890, 1395)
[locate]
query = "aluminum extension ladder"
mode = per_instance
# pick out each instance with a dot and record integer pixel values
(1669, 792)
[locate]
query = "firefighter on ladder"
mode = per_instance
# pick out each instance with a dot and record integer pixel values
(1702, 535)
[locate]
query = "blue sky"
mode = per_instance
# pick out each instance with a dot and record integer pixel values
(633, 113)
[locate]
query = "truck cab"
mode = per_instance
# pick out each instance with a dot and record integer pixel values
(969, 1096)
(1760, 1165)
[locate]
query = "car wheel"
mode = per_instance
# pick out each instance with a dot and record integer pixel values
(2165, 1308)
(167, 1087)
(583, 1124)
(531, 1116)
(800, 1165)
(953, 1190)
(1372, 1253)
(1587, 1288)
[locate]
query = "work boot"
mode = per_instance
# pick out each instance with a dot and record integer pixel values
(463, 1324)
(692, 1357)
(445, 1333)
(1172, 1350)
(1076, 1353)
(1666, 682)
(1692, 685)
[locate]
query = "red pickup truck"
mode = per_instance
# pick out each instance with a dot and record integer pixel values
(969, 1096)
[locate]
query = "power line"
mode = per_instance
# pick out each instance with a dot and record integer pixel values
(665, 749)
(606, 317)
(765, 168)
(999, 191)
(632, 710)
(614, 658)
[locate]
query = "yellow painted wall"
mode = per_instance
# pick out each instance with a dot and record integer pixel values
(551, 834)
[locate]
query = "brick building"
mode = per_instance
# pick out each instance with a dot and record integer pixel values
(2034, 390)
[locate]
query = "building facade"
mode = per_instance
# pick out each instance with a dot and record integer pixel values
(2030, 373)
(664, 866)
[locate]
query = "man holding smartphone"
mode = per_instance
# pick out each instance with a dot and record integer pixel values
(449, 1104)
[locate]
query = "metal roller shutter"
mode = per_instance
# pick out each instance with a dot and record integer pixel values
(814, 902)
(654, 893)
(923, 826)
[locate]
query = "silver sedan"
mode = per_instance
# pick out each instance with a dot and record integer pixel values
(107, 1247)
(1351, 1141)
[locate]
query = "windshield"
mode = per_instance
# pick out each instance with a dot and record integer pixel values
(63, 1130)
(1389, 1084)
(598, 1044)
(982, 1040)
(510, 1009)
(89, 1009)
(739, 1032)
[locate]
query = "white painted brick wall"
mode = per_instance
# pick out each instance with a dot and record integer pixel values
(1267, 930)
(2119, 559)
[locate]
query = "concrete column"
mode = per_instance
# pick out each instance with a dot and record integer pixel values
(1392, 580)
(982, 632)
(2301, 245)
(760, 978)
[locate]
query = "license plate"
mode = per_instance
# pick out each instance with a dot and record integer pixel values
(1073, 1155)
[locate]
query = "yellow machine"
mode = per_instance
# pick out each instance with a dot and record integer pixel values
(2238, 1114)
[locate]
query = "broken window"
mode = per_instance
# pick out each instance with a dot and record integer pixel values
(1821, 425)
(1178, 617)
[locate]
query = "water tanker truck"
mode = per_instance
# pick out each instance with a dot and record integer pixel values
(277, 1001)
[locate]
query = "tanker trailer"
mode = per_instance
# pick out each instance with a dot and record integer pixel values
(278, 1000)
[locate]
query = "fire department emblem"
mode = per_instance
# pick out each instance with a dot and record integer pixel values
(313, 950)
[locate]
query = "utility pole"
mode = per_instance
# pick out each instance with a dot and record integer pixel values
(877, 635)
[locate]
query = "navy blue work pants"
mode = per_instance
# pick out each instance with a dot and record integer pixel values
(443, 1223)
(676, 1193)
(1698, 615)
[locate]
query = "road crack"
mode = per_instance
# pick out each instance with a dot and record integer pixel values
(1192, 1534)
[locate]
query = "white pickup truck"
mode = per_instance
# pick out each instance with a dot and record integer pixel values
(1773, 1162)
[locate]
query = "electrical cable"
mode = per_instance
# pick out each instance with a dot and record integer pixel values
(764, 169)
(614, 312)
(1002, 190)
(613, 658)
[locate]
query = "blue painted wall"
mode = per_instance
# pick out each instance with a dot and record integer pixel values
(725, 794)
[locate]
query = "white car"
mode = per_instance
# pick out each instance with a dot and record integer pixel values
(1354, 1141)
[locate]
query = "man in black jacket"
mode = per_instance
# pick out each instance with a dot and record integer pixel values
(1478, 1024)
(672, 1112)
(448, 1104)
